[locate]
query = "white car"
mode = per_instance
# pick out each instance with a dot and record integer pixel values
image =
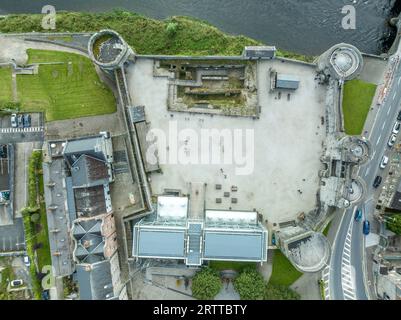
(14, 123)
(384, 162)
(392, 140)
(396, 127)
(26, 261)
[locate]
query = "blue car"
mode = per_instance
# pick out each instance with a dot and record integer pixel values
(366, 227)
(358, 215)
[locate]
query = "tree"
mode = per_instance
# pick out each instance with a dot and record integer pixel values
(171, 28)
(394, 223)
(280, 292)
(250, 285)
(206, 284)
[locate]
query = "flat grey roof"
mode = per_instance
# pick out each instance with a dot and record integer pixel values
(234, 246)
(287, 81)
(161, 243)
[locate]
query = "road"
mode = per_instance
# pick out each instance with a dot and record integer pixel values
(348, 277)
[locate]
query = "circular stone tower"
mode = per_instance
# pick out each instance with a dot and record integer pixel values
(341, 62)
(109, 50)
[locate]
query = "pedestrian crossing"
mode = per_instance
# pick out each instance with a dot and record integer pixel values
(347, 272)
(326, 279)
(17, 130)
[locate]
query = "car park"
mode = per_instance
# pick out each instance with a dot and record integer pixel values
(16, 283)
(392, 140)
(358, 215)
(396, 127)
(366, 227)
(377, 182)
(384, 162)
(14, 123)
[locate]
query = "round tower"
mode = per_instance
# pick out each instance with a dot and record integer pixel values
(109, 50)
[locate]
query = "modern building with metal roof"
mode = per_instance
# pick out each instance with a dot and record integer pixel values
(220, 235)
(286, 81)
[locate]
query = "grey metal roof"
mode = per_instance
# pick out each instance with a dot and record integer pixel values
(234, 246)
(90, 146)
(161, 243)
(261, 52)
(286, 81)
(70, 199)
(95, 283)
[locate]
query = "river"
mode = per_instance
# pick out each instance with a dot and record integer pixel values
(303, 26)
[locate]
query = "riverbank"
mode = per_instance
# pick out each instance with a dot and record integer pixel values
(172, 36)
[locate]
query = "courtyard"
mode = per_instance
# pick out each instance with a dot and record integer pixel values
(280, 173)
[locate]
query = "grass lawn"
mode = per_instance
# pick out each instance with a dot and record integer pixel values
(283, 271)
(6, 93)
(230, 265)
(68, 90)
(358, 96)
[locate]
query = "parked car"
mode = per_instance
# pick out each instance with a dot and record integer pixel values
(384, 162)
(399, 116)
(377, 182)
(358, 215)
(26, 261)
(20, 121)
(366, 227)
(392, 140)
(16, 283)
(45, 295)
(27, 120)
(14, 123)
(396, 127)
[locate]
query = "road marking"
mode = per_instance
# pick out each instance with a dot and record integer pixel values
(378, 140)
(389, 109)
(384, 124)
(395, 93)
(399, 80)
(15, 130)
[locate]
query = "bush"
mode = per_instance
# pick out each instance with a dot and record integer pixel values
(250, 285)
(206, 284)
(394, 224)
(279, 292)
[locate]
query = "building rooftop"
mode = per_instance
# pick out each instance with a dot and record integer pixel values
(95, 281)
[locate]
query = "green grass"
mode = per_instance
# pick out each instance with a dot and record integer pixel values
(36, 233)
(326, 230)
(358, 96)
(230, 265)
(6, 93)
(283, 272)
(64, 91)
(145, 35)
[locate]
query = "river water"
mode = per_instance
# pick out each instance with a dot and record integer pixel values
(304, 26)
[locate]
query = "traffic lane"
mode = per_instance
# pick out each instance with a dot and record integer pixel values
(357, 247)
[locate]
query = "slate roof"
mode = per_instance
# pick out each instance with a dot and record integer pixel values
(95, 283)
(88, 172)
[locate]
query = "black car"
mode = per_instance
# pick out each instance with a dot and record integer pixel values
(27, 120)
(399, 116)
(20, 121)
(377, 182)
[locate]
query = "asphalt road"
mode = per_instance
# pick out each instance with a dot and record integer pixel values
(340, 264)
